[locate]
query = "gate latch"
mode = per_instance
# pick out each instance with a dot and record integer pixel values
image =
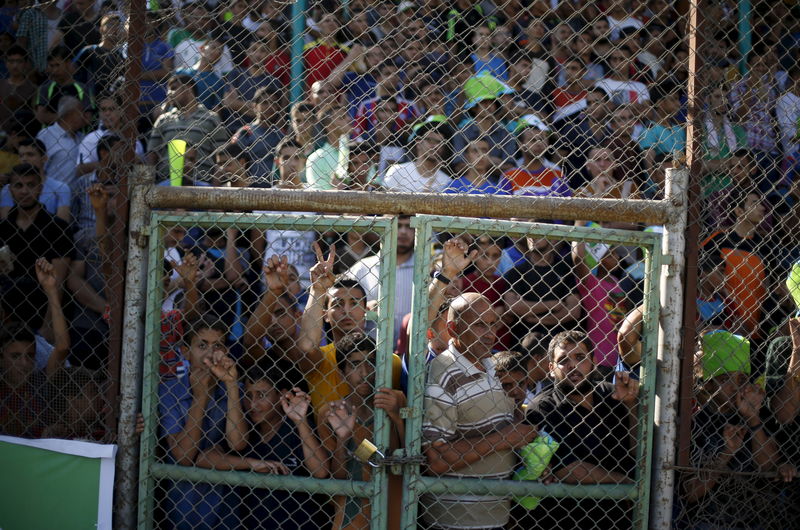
(369, 454)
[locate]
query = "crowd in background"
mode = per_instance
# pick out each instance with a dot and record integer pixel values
(265, 346)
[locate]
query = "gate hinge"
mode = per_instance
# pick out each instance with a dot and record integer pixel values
(141, 238)
(667, 259)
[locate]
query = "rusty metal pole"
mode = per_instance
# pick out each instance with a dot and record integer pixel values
(669, 348)
(698, 27)
(124, 503)
(131, 359)
(370, 203)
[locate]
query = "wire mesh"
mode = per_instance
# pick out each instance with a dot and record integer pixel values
(559, 99)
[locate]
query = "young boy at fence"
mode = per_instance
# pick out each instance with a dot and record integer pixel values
(197, 410)
(342, 304)
(349, 421)
(281, 440)
(604, 303)
(594, 423)
(77, 406)
(534, 355)
(511, 369)
(728, 434)
(25, 365)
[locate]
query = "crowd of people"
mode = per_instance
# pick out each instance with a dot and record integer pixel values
(267, 354)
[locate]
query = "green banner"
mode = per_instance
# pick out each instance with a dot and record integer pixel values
(55, 484)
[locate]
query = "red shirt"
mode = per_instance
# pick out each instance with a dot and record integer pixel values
(277, 64)
(562, 98)
(321, 59)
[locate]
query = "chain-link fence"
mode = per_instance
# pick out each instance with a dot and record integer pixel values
(236, 379)
(503, 98)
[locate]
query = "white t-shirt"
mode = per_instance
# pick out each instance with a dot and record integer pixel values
(623, 91)
(295, 245)
(618, 25)
(787, 110)
(405, 177)
(87, 150)
(187, 55)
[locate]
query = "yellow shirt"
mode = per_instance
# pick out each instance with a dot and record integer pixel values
(325, 384)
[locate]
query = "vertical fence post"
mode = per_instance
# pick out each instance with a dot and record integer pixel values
(745, 37)
(131, 358)
(298, 31)
(669, 349)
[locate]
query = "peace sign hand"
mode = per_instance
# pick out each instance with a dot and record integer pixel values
(322, 276)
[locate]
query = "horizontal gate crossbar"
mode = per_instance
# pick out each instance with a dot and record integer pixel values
(367, 203)
(475, 486)
(349, 488)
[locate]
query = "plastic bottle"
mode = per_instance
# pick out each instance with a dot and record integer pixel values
(535, 459)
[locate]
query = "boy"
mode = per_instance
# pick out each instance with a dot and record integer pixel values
(349, 421)
(60, 83)
(536, 175)
(282, 441)
(197, 410)
(25, 367)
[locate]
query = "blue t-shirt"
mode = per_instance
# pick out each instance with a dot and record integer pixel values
(154, 53)
(259, 142)
(55, 194)
(463, 185)
(495, 66)
(665, 140)
(360, 87)
(191, 505)
(246, 85)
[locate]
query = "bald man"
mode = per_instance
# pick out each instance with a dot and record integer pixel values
(469, 426)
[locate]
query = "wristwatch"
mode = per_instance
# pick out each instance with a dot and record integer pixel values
(437, 275)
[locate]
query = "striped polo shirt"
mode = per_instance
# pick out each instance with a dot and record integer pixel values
(462, 401)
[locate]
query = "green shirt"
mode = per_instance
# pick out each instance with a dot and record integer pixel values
(327, 165)
(714, 182)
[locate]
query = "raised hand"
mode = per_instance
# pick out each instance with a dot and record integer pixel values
(626, 388)
(748, 402)
(455, 258)
(187, 268)
(786, 473)
(389, 400)
(295, 405)
(98, 196)
(322, 276)
(222, 367)
(276, 272)
(46, 275)
(733, 436)
(269, 466)
(341, 419)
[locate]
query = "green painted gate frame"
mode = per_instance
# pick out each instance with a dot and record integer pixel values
(151, 470)
(414, 484)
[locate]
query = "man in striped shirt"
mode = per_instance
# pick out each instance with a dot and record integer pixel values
(469, 424)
